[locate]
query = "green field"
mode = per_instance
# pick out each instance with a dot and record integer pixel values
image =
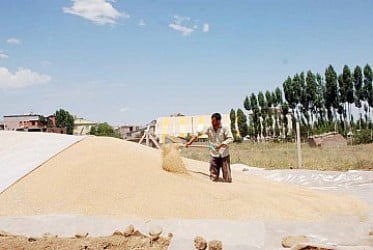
(284, 155)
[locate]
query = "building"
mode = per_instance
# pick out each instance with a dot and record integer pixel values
(28, 122)
(181, 125)
(83, 126)
(332, 139)
(129, 132)
(52, 126)
(32, 123)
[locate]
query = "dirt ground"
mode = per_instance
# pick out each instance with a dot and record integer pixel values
(114, 242)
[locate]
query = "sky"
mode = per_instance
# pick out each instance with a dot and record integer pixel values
(129, 62)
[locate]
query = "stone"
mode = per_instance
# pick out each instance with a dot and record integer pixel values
(49, 235)
(4, 234)
(129, 231)
(311, 246)
(81, 235)
(200, 243)
(290, 241)
(155, 232)
(215, 245)
(118, 233)
(31, 239)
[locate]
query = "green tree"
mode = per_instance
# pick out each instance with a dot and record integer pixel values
(279, 95)
(331, 92)
(368, 89)
(242, 123)
(359, 93)
(285, 112)
(247, 104)
(93, 131)
(289, 92)
(349, 90)
(232, 116)
(311, 91)
(320, 101)
(104, 129)
(297, 90)
(65, 120)
(342, 98)
(263, 112)
(255, 115)
(270, 101)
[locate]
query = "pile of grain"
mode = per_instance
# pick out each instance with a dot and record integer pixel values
(107, 176)
(171, 160)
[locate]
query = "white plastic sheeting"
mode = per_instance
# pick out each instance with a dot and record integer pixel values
(359, 183)
(22, 152)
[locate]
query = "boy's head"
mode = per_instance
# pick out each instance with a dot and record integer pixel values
(216, 120)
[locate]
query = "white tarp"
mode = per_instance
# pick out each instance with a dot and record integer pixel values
(359, 183)
(22, 152)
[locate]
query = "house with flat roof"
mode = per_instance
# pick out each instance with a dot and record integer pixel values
(83, 126)
(31, 123)
(27, 122)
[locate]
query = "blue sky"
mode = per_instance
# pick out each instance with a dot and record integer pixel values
(93, 58)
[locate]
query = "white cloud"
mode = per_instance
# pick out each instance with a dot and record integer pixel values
(185, 31)
(124, 109)
(45, 63)
(3, 55)
(186, 26)
(142, 22)
(98, 11)
(14, 41)
(179, 25)
(21, 78)
(206, 27)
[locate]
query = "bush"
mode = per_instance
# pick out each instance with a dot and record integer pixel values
(362, 136)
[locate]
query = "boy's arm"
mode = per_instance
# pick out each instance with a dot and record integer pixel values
(195, 137)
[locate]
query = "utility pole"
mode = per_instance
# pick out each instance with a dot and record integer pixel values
(299, 149)
(298, 145)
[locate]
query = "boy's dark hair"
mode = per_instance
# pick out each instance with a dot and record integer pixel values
(217, 116)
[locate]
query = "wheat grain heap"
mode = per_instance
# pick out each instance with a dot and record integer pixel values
(171, 160)
(112, 177)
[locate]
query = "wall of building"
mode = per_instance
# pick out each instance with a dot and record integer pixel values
(22, 122)
(82, 126)
(129, 131)
(181, 126)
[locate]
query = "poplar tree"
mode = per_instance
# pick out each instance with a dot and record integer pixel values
(359, 92)
(331, 92)
(242, 123)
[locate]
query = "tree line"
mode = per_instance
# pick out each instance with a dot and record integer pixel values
(321, 103)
